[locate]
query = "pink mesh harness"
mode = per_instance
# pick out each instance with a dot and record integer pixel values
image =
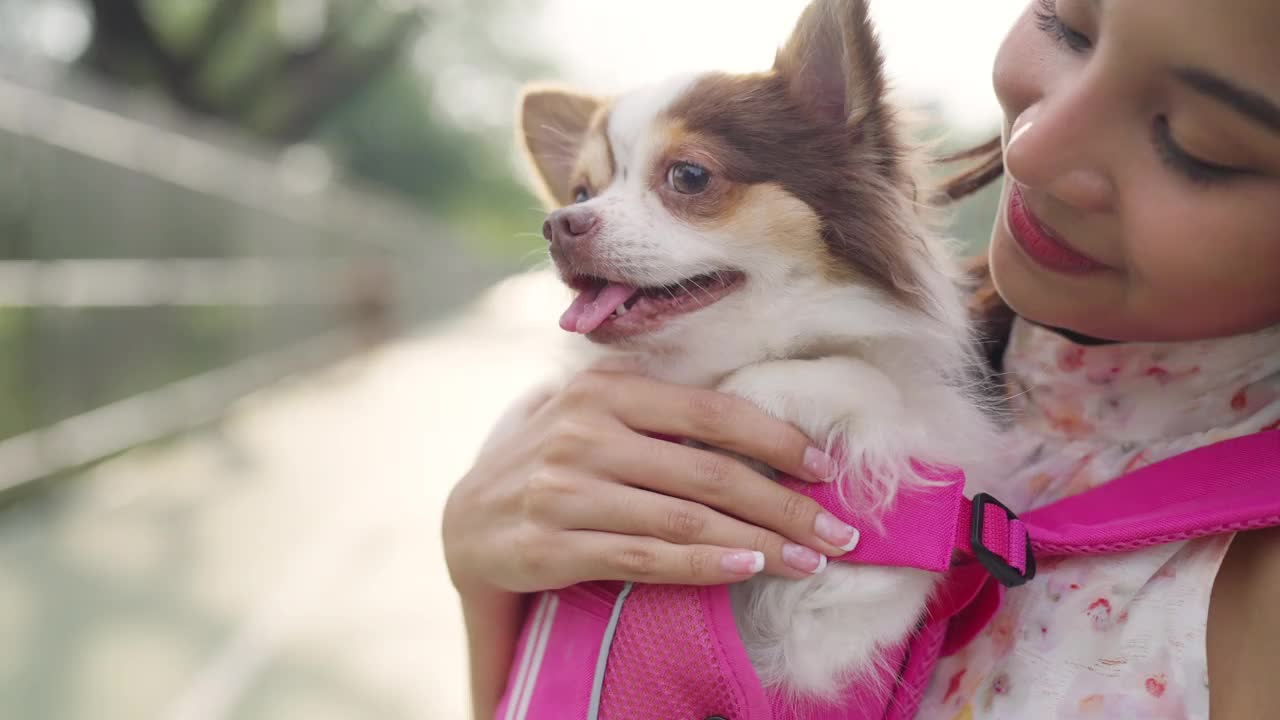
(613, 651)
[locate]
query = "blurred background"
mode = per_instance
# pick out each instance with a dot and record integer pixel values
(268, 271)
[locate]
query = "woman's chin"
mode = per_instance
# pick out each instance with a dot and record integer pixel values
(1031, 295)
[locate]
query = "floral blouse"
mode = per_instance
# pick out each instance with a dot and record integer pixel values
(1117, 636)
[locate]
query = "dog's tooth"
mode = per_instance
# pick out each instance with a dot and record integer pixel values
(622, 310)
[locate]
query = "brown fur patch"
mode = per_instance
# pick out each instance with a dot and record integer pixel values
(833, 64)
(761, 212)
(819, 125)
(768, 213)
(762, 134)
(721, 197)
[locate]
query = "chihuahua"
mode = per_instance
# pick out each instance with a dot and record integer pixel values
(769, 235)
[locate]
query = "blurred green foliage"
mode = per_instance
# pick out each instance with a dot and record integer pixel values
(375, 82)
(363, 85)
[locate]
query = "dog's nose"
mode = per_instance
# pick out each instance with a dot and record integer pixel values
(568, 224)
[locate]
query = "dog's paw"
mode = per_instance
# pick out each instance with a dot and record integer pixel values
(846, 404)
(815, 393)
(818, 396)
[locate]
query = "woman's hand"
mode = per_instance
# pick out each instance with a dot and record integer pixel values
(570, 488)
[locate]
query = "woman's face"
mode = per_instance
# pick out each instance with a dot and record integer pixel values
(1142, 144)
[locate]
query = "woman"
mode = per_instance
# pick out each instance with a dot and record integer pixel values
(1135, 314)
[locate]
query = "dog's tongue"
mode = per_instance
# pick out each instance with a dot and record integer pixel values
(593, 306)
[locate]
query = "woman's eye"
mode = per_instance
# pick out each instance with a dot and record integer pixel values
(580, 195)
(688, 179)
(1050, 22)
(1183, 162)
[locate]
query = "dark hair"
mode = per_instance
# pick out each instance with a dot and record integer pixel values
(992, 317)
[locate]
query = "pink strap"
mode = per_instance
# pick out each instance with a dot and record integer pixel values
(919, 531)
(932, 529)
(1230, 486)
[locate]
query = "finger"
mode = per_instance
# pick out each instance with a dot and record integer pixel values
(723, 483)
(627, 558)
(627, 510)
(711, 417)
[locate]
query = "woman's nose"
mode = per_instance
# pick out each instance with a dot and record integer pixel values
(1055, 150)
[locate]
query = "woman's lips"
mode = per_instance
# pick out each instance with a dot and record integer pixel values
(1041, 244)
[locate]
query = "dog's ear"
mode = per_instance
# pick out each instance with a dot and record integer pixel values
(551, 126)
(835, 68)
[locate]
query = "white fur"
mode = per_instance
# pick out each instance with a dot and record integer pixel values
(880, 384)
(631, 118)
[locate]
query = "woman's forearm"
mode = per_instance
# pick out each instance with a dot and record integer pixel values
(493, 622)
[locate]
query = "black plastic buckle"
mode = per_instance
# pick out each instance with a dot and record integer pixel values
(1002, 571)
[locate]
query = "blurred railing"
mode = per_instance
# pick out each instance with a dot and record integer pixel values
(153, 271)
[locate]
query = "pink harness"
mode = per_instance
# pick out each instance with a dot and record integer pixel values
(613, 651)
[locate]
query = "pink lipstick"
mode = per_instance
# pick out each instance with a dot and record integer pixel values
(1041, 244)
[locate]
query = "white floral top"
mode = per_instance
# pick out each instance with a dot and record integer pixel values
(1119, 636)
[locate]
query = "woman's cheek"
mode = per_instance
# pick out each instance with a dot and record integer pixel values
(1207, 265)
(1016, 75)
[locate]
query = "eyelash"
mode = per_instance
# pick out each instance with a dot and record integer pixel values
(1049, 21)
(1193, 168)
(1171, 154)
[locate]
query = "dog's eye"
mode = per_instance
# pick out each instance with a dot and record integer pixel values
(688, 179)
(580, 195)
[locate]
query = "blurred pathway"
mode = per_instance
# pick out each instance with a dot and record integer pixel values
(286, 567)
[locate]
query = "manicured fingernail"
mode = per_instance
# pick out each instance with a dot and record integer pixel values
(819, 464)
(743, 563)
(803, 559)
(835, 532)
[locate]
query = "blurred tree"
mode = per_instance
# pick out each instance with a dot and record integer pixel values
(413, 96)
(129, 44)
(374, 81)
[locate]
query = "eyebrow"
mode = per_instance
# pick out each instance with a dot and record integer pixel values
(1246, 102)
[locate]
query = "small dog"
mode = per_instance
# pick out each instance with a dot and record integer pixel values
(763, 234)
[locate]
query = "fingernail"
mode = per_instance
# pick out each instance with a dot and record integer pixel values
(819, 464)
(835, 532)
(803, 559)
(743, 563)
